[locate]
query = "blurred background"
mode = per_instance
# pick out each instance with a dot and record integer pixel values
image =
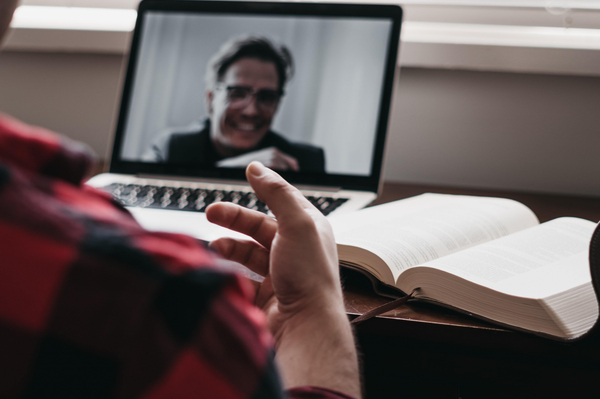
(490, 94)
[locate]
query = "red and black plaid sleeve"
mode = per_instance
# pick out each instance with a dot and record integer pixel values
(38, 150)
(93, 306)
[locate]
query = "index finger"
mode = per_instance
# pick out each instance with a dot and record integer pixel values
(246, 221)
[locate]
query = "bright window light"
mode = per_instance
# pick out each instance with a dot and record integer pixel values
(501, 35)
(573, 4)
(74, 18)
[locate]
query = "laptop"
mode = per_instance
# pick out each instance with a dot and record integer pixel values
(212, 85)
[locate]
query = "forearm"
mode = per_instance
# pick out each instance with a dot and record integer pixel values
(318, 349)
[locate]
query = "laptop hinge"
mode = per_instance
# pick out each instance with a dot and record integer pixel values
(193, 179)
(230, 182)
(317, 188)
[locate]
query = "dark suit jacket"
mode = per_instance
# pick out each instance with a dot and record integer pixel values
(193, 146)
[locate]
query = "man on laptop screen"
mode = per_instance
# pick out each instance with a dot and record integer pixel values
(245, 83)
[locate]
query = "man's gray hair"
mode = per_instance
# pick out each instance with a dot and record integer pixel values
(248, 46)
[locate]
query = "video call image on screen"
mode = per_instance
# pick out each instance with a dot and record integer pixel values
(297, 93)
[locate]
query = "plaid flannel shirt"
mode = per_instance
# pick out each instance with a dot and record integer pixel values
(92, 305)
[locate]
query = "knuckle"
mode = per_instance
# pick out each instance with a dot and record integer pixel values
(234, 216)
(256, 227)
(278, 185)
(306, 224)
(224, 246)
(246, 255)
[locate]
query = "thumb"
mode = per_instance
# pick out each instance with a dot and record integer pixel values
(284, 200)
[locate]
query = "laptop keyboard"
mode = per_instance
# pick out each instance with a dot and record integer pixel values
(196, 200)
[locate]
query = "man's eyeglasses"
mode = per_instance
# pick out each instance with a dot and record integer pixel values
(241, 96)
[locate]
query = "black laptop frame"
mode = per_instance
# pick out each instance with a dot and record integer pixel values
(349, 182)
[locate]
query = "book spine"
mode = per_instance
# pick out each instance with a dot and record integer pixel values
(594, 333)
(595, 259)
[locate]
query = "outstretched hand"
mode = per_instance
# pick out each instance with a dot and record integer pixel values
(301, 293)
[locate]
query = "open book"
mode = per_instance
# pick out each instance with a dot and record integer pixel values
(489, 257)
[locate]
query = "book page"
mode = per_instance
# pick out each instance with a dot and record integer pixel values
(420, 229)
(534, 263)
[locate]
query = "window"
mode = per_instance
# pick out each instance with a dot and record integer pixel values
(548, 36)
(131, 4)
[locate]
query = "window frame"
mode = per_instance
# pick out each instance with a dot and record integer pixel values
(523, 35)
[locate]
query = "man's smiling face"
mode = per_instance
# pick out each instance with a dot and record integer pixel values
(238, 130)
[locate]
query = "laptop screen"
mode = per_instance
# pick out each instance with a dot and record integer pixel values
(304, 88)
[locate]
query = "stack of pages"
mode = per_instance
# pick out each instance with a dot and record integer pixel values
(489, 257)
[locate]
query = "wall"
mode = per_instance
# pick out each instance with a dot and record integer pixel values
(496, 130)
(481, 129)
(74, 94)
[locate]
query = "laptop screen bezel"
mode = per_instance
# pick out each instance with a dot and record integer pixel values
(369, 182)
